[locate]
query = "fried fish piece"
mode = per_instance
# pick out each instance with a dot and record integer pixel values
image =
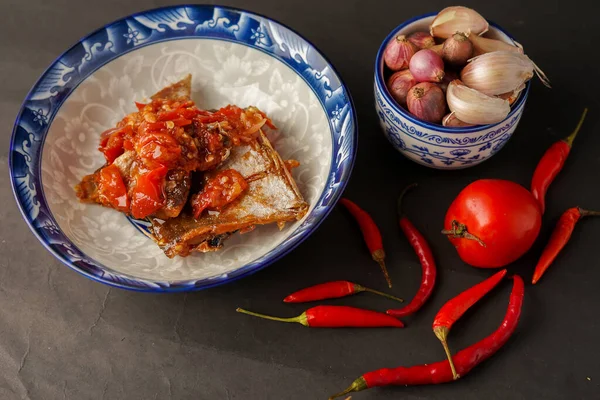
(177, 182)
(272, 197)
(178, 90)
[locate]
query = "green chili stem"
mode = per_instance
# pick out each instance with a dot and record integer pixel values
(301, 319)
(569, 139)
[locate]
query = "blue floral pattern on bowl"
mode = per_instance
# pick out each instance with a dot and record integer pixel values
(434, 145)
(156, 26)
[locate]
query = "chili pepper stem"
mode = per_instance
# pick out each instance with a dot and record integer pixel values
(459, 231)
(301, 319)
(588, 213)
(358, 385)
(359, 288)
(441, 332)
(379, 257)
(569, 139)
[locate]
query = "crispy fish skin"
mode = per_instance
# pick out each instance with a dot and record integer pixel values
(272, 197)
(178, 90)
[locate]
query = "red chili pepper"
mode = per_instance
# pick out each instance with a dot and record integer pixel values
(465, 360)
(457, 306)
(419, 244)
(336, 317)
(332, 290)
(560, 236)
(551, 163)
(370, 233)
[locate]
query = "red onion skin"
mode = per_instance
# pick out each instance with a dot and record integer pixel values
(399, 84)
(427, 66)
(457, 50)
(423, 40)
(398, 53)
(427, 102)
(449, 76)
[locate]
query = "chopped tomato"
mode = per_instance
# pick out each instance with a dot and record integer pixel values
(231, 111)
(111, 189)
(111, 142)
(181, 122)
(147, 195)
(220, 190)
(156, 149)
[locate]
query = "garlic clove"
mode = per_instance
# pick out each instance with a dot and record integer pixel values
(497, 72)
(458, 19)
(473, 107)
(482, 45)
(450, 120)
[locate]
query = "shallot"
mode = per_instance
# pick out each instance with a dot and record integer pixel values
(427, 66)
(423, 40)
(399, 84)
(426, 101)
(398, 53)
(437, 49)
(457, 50)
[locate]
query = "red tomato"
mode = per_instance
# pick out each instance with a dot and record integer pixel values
(111, 189)
(500, 214)
(147, 195)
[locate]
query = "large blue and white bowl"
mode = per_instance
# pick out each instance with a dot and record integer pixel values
(434, 145)
(235, 57)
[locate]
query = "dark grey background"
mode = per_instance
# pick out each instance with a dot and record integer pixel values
(65, 337)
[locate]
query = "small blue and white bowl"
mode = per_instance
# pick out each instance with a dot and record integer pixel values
(434, 145)
(235, 57)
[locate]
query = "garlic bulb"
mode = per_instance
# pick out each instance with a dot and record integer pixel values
(498, 72)
(458, 19)
(473, 107)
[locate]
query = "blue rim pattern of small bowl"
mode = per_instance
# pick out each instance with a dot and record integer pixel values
(149, 27)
